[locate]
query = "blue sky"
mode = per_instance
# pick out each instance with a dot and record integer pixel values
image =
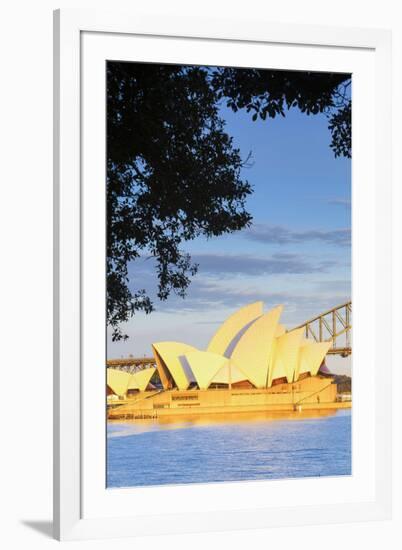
(297, 251)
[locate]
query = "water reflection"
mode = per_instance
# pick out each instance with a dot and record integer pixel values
(127, 427)
(230, 447)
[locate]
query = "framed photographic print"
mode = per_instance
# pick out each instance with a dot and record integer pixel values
(222, 206)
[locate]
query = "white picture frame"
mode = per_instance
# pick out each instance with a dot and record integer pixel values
(82, 509)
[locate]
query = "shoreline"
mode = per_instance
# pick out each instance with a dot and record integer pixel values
(314, 410)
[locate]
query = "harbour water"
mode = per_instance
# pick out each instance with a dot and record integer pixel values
(230, 448)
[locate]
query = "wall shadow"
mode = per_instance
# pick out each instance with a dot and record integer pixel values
(41, 526)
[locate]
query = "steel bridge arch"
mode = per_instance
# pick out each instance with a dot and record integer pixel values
(331, 325)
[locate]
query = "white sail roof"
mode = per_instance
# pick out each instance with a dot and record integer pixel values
(205, 366)
(167, 357)
(225, 337)
(253, 352)
(286, 356)
(311, 356)
(139, 380)
(117, 380)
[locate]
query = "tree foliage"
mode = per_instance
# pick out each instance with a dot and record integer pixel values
(173, 172)
(267, 94)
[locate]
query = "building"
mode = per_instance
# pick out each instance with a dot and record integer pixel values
(251, 364)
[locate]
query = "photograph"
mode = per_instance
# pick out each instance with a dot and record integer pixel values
(201, 275)
(228, 274)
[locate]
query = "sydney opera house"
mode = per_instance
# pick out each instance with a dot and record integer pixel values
(252, 363)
